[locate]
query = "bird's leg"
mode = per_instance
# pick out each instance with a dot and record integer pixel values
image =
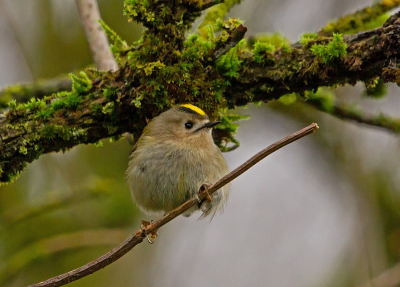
(154, 233)
(204, 187)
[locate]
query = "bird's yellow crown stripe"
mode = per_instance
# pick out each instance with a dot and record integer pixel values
(194, 108)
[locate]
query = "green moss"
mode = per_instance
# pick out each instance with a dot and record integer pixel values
(227, 129)
(23, 93)
(368, 18)
(96, 109)
(215, 15)
(376, 88)
(110, 93)
(11, 176)
(307, 37)
(180, 76)
(323, 98)
(161, 18)
(80, 84)
(12, 105)
(34, 105)
(117, 45)
(265, 45)
(335, 49)
(149, 67)
(262, 52)
(70, 101)
(230, 63)
(108, 108)
(275, 39)
(54, 131)
(45, 114)
(23, 150)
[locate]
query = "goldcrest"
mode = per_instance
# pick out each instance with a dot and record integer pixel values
(173, 158)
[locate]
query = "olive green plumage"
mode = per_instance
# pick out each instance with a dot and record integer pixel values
(173, 158)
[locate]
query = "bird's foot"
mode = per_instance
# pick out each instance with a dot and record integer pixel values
(204, 187)
(150, 236)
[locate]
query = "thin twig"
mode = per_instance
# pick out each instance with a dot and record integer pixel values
(350, 113)
(90, 14)
(234, 37)
(140, 234)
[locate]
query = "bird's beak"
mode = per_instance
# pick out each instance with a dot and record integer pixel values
(210, 125)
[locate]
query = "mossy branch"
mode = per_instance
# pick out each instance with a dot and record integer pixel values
(215, 13)
(157, 74)
(354, 113)
(361, 20)
(23, 93)
(368, 55)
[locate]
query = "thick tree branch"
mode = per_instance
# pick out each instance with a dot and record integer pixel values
(23, 93)
(369, 54)
(140, 234)
(353, 21)
(90, 15)
(122, 101)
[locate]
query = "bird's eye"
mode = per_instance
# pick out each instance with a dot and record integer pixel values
(188, 125)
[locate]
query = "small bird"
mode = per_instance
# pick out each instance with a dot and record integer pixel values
(173, 158)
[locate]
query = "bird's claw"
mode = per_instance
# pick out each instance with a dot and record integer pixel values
(153, 234)
(204, 187)
(198, 198)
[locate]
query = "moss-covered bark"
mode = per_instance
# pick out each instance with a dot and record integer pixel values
(361, 20)
(23, 93)
(167, 68)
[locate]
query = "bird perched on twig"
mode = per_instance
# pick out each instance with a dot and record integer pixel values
(173, 158)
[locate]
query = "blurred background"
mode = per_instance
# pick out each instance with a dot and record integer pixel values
(324, 211)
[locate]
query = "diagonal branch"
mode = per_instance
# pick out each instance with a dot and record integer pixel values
(140, 234)
(354, 114)
(234, 37)
(90, 15)
(359, 20)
